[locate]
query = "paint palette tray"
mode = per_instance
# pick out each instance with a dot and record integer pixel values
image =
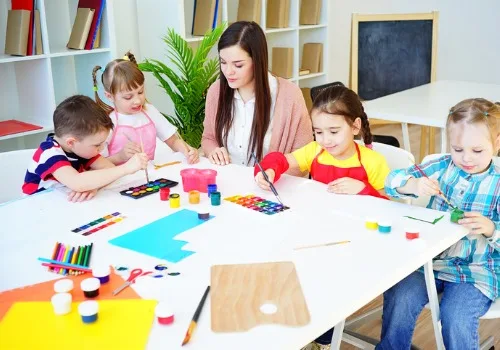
(141, 191)
(258, 204)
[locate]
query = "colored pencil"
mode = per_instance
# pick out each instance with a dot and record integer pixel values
(73, 268)
(63, 259)
(63, 264)
(196, 316)
(87, 255)
(321, 245)
(55, 252)
(68, 258)
(73, 259)
(60, 256)
(440, 192)
(81, 257)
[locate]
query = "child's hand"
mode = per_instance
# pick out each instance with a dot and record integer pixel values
(477, 224)
(426, 187)
(129, 150)
(137, 162)
(346, 185)
(74, 196)
(192, 156)
(261, 181)
(219, 156)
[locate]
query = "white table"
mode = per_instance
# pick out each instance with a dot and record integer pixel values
(428, 105)
(336, 280)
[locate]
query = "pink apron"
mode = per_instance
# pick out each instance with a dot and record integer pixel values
(124, 133)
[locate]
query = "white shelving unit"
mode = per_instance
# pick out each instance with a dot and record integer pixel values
(155, 16)
(32, 86)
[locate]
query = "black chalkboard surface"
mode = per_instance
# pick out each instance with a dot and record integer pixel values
(392, 55)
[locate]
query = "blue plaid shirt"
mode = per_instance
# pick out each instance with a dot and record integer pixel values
(475, 258)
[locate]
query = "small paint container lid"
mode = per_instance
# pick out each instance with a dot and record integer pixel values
(101, 272)
(64, 285)
(384, 226)
(371, 223)
(90, 287)
(412, 233)
(164, 314)
(88, 310)
(61, 303)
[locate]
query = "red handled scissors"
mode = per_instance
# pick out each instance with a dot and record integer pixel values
(133, 275)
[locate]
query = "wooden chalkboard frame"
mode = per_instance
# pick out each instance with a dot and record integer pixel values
(357, 18)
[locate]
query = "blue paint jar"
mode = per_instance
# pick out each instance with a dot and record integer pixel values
(215, 198)
(384, 227)
(88, 310)
(211, 188)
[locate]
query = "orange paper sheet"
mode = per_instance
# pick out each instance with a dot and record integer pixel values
(45, 290)
(121, 324)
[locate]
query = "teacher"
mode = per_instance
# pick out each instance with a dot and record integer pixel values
(248, 109)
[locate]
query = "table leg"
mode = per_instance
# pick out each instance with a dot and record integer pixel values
(444, 141)
(337, 335)
(432, 140)
(433, 304)
(406, 137)
(423, 142)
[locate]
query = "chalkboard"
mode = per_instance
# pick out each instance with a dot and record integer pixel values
(392, 55)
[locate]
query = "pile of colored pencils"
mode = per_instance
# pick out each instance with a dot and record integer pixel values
(67, 260)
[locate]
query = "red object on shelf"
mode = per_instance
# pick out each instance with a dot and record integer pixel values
(9, 127)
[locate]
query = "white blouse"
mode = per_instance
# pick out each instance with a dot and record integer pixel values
(238, 138)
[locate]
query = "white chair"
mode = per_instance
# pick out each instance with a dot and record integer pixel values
(14, 165)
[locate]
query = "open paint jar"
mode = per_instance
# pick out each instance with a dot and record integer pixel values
(101, 273)
(456, 215)
(164, 314)
(88, 310)
(90, 287)
(384, 226)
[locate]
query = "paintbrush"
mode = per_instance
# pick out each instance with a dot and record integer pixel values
(196, 316)
(159, 166)
(142, 150)
(440, 192)
(267, 179)
(321, 245)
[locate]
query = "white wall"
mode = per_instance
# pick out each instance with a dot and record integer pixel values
(468, 35)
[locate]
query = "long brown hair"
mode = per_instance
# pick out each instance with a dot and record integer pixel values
(120, 74)
(249, 37)
(340, 100)
(475, 111)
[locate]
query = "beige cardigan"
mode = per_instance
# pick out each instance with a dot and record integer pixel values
(292, 127)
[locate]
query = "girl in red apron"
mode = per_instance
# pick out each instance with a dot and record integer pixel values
(137, 124)
(334, 158)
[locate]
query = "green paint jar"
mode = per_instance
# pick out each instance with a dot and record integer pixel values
(456, 215)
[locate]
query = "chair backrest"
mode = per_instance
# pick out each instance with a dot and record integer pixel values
(397, 158)
(317, 89)
(422, 201)
(15, 164)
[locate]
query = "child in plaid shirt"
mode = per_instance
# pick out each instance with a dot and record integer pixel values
(467, 274)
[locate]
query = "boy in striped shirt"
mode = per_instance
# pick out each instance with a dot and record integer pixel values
(66, 156)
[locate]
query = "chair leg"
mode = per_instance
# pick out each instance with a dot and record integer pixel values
(368, 316)
(432, 140)
(487, 344)
(423, 142)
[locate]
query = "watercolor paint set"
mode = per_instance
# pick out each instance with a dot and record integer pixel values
(151, 187)
(258, 204)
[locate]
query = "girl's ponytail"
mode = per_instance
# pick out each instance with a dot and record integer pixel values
(108, 109)
(365, 129)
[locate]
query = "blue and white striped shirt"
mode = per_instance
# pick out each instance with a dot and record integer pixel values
(475, 258)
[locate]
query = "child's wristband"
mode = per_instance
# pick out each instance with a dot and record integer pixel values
(275, 161)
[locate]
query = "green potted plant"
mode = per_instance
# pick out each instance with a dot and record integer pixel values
(188, 84)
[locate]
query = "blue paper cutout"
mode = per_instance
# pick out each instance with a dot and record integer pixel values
(157, 238)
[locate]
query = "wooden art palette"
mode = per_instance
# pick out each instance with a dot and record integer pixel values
(258, 204)
(141, 191)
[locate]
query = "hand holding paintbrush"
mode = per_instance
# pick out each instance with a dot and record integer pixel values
(429, 186)
(264, 174)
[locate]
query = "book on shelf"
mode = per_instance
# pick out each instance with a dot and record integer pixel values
(98, 6)
(81, 27)
(310, 12)
(312, 57)
(9, 127)
(38, 34)
(207, 15)
(249, 10)
(278, 13)
(16, 38)
(282, 62)
(27, 5)
(307, 97)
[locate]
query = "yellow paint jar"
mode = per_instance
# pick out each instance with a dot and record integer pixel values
(175, 200)
(194, 197)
